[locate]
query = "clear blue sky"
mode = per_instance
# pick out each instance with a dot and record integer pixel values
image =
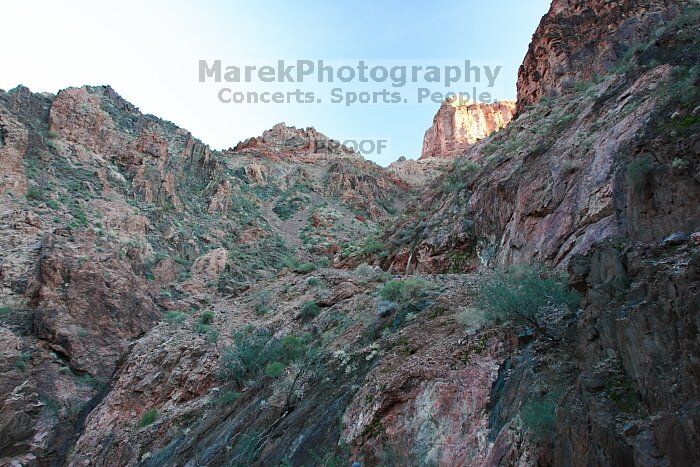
(149, 52)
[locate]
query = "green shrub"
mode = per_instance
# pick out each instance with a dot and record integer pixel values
(208, 331)
(22, 362)
(34, 194)
(406, 291)
(148, 417)
(274, 369)
(52, 204)
(263, 300)
(252, 353)
(639, 171)
(305, 268)
(175, 317)
(521, 293)
(569, 167)
(539, 413)
(372, 246)
(410, 297)
(314, 282)
(206, 318)
(309, 309)
(298, 267)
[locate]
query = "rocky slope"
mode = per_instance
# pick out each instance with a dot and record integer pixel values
(456, 126)
(165, 304)
(112, 219)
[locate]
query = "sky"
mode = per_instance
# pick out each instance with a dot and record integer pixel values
(150, 53)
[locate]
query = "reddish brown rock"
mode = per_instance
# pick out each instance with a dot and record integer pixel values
(13, 146)
(456, 126)
(88, 304)
(578, 40)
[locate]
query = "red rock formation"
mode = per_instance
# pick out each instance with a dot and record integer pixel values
(457, 126)
(579, 39)
(13, 146)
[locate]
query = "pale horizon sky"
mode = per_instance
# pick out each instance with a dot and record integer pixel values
(149, 53)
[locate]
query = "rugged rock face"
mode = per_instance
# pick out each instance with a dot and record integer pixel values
(611, 159)
(456, 126)
(635, 400)
(418, 173)
(579, 40)
(111, 220)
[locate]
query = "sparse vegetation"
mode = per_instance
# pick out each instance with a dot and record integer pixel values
(253, 353)
(175, 317)
(299, 267)
(309, 309)
(148, 417)
(411, 296)
(523, 293)
(314, 282)
(538, 413)
(406, 291)
(206, 318)
(639, 171)
(22, 362)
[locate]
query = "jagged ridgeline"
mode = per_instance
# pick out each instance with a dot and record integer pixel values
(526, 294)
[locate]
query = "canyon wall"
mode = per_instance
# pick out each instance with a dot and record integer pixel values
(456, 126)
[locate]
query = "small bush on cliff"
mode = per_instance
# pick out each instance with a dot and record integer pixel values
(148, 417)
(406, 291)
(639, 171)
(297, 266)
(255, 354)
(539, 413)
(309, 309)
(411, 296)
(175, 317)
(206, 318)
(522, 293)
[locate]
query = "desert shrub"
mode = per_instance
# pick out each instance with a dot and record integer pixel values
(274, 369)
(521, 293)
(148, 417)
(34, 194)
(372, 246)
(263, 299)
(679, 164)
(22, 362)
(253, 354)
(246, 449)
(538, 413)
(314, 282)
(205, 328)
(406, 291)
(639, 170)
(175, 317)
(289, 205)
(309, 309)
(411, 296)
(568, 167)
(206, 318)
(473, 318)
(305, 268)
(297, 266)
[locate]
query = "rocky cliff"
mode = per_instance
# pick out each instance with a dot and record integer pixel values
(578, 41)
(286, 302)
(456, 126)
